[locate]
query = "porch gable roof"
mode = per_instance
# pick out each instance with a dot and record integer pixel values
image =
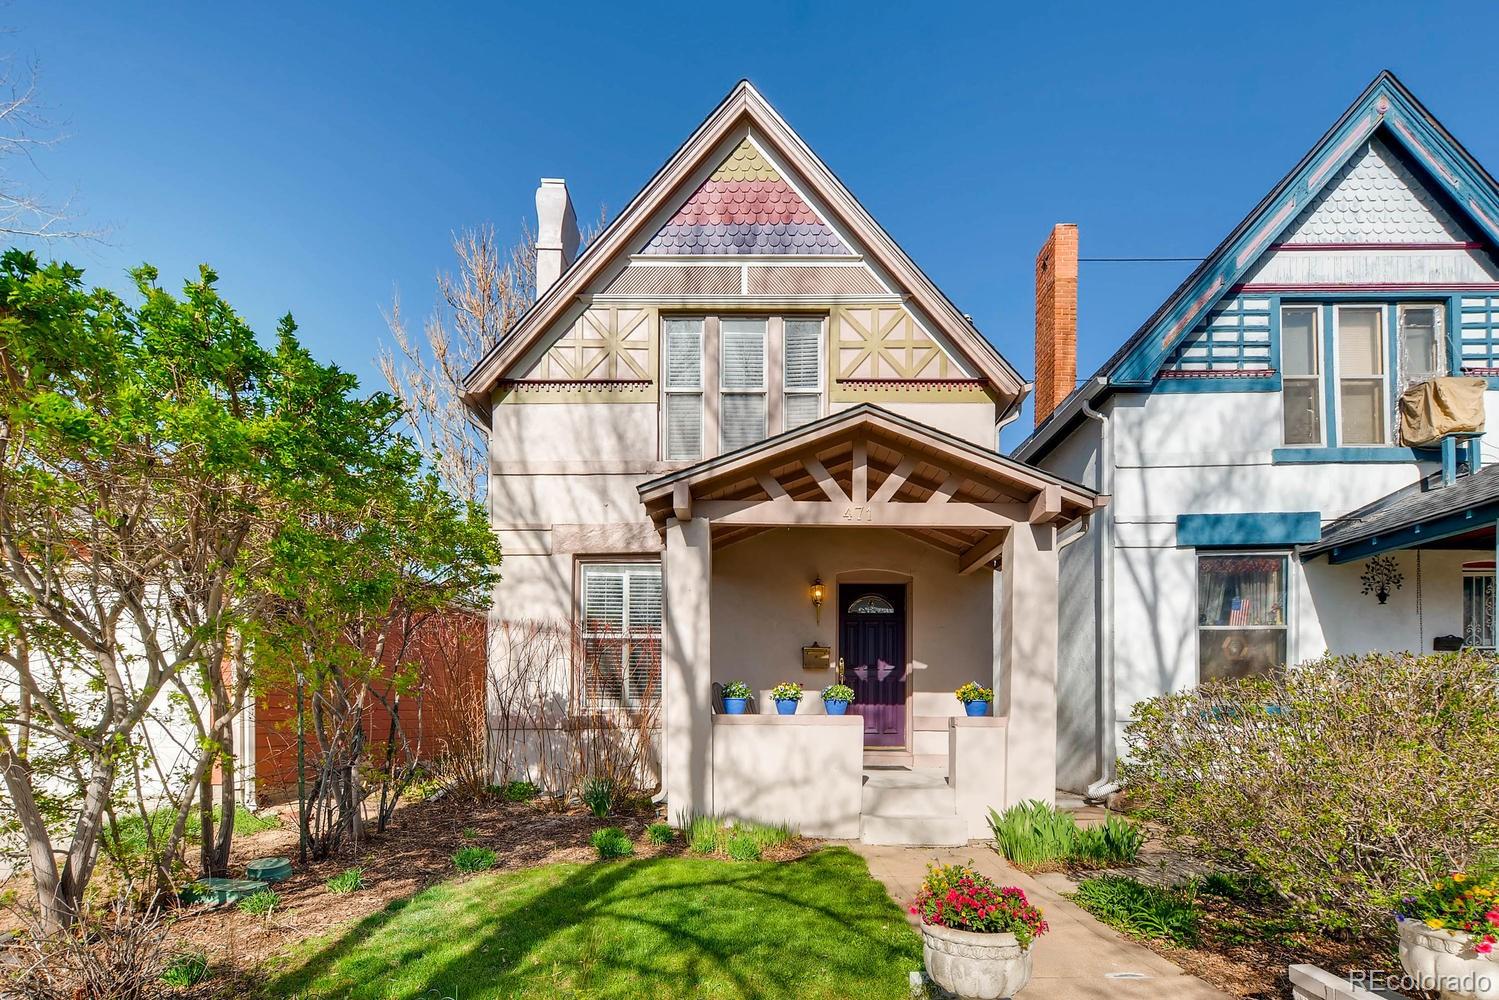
(869, 467)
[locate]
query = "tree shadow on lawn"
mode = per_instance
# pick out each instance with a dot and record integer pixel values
(663, 928)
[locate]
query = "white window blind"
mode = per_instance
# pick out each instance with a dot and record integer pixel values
(802, 371)
(682, 403)
(621, 611)
(1361, 370)
(741, 405)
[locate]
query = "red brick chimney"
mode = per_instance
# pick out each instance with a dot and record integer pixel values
(1056, 319)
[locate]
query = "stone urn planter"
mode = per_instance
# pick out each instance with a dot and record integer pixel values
(975, 966)
(1445, 961)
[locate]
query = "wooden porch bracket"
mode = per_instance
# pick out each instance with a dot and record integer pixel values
(681, 502)
(1046, 506)
(895, 480)
(981, 554)
(819, 472)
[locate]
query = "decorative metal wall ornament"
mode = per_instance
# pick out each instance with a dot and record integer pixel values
(1381, 575)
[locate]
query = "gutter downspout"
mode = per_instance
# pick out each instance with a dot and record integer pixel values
(1010, 415)
(1103, 595)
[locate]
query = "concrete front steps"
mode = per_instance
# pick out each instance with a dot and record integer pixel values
(914, 808)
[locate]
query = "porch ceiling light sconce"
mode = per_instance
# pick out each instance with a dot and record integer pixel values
(819, 594)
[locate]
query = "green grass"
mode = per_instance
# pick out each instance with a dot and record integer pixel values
(660, 833)
(347, 881)
(474, 859)
(133, 828)
(712, 835)
(612, 842)
(667, 928)
(1137, 908)
(260, 904)
(186, 970)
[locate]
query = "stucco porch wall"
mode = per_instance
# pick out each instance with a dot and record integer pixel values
(804, 770)
(763, 616)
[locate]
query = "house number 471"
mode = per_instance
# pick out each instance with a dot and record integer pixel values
(857, 513)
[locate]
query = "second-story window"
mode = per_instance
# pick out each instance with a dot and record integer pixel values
(1343, 366)
(1301, 374)
(803, 371)
(741, 406)
(682, 385)
(1359, 335)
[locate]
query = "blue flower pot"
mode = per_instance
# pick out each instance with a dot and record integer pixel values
(786, 706)
(976, 708)
(836, 707)
(734, 706)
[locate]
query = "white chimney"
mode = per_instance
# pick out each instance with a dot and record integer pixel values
(556, 232)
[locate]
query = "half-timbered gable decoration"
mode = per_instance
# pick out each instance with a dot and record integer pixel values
(744, 218)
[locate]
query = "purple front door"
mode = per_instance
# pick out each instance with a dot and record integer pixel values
(872, 630)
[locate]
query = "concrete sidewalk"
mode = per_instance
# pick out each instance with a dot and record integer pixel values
(1079, 958)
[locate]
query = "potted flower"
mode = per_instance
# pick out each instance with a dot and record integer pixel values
(975, 699)
(835, 698)
(735, 697)
(786, 696)
(1449, 935)
(976, 936)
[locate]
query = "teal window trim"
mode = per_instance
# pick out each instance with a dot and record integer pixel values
(1202, 531)
(1352, 455)
(1329, 376)
(1220, 383)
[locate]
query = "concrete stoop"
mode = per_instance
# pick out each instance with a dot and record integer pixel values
(910, 809)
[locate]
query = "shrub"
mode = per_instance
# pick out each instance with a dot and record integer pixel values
(612, 842)
(1031, 832)
(1139, 909)
(519, 791)
(736, 689)
(186, 970)
(743, 847)
(347, 881)
(1345, 783)
(114, 951)
(957, 897)
(660, 833)
(1114, 841)
(260, 904)
(973, 692)
(786, 691)
(474, 859)
(600, 795)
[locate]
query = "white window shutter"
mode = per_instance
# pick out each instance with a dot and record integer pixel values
(684, 353)
(742, 353)
(802, 408)
(684, 426)
(804, 354)
(742, 416)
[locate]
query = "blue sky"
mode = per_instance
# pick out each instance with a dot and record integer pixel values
(318, 156)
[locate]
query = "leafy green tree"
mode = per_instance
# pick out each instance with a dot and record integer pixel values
(156, 466)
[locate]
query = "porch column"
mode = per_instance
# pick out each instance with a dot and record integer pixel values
(686, 680)
(1027, 692)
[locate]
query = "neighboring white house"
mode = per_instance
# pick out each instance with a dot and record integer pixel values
(743, 437)
(1263, 506)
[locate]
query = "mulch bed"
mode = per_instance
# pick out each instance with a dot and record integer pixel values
(414, 852)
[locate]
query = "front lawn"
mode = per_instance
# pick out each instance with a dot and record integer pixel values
(662, 928)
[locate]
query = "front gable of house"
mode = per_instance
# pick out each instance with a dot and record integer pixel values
(745, 223)
(1387, 203)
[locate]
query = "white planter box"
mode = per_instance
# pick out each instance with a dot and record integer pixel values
(1445, 961)
(975, 966)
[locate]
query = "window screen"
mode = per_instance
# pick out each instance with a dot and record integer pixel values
(1423, 354)
(1301, 375)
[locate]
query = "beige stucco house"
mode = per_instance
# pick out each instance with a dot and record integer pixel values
(741, 392)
